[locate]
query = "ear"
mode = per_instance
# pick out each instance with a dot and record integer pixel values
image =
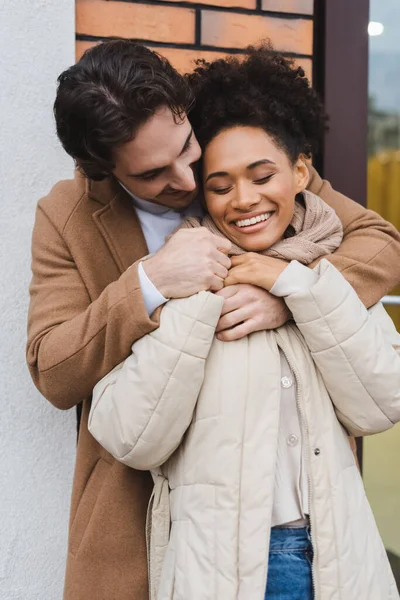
(301, 174)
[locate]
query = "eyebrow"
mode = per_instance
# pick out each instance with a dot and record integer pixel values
(253, 165)
(264, 161)
(159, 170)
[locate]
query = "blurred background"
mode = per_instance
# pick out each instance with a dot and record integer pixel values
(381, 453)
(350, 50)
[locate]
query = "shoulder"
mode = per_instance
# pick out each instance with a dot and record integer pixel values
(62, 200)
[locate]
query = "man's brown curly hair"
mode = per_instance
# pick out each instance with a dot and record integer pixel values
(263, 89)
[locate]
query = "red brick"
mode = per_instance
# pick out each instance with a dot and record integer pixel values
(300, 7)
(81, 47)
(159, 24)
(251, 4)
(232, 30)
(183, 60)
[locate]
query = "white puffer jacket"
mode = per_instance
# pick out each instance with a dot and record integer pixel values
(208, 412)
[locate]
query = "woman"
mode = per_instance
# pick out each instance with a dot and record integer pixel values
(248, 441)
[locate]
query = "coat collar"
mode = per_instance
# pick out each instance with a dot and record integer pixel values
(103, 191)
(117, 221)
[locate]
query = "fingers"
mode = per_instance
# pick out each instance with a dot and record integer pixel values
(216, 284)
(236, 300)
(236, 276)
(220, 271)
(237, 333)
(242, 274)
(232, 319)
(221, 264)
(238, 260)
(223, 259)
(228, 292)
(223, 244)
(230, 280)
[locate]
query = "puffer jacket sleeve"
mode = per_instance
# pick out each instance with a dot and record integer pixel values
(141, 410)
(356, 351)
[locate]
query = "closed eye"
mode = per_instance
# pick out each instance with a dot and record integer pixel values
(149, 176)
(263, 179)
(221, 191)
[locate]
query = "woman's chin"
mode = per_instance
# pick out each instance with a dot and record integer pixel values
(254, 242)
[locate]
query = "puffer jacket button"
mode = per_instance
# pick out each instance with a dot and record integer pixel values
(317, 451)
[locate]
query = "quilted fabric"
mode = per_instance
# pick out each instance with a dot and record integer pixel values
(203, 415)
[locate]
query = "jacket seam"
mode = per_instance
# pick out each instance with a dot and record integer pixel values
(354, 262)
(380, 251)
(180, 350)
(336, 341)
(98, 332)
(194, 318)
(241, 480)
(161, 395)
(110, 241)
(357, 430)
(65, 243)
(339, 345)
(73, 212)
(144, 429)
(309, 321)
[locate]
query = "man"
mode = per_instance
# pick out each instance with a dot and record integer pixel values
(121, 113)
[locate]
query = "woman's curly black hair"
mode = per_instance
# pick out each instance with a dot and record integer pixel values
(263, 89)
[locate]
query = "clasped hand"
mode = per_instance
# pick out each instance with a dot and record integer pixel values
(256, 269)
(248, 305)
(196, 259)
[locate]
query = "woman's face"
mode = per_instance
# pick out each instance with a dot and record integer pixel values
(250, 186)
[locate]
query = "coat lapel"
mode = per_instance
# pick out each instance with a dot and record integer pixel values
(118, 223)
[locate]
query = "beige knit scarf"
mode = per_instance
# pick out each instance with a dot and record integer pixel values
(315, 230)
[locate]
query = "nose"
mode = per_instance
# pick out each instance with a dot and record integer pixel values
(184, 179)
(245, 198)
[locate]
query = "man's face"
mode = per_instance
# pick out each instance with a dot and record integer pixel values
(158, 164)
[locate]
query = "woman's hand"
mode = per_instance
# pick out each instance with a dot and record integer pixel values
(256, 269)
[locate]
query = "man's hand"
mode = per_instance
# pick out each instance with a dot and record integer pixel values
(191, 261)
(248, 308)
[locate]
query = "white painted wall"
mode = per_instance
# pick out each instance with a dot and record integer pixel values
(37, 442)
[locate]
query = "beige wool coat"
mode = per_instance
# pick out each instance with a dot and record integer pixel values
(204, 416)
(86, 310)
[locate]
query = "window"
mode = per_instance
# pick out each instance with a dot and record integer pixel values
(381, 453)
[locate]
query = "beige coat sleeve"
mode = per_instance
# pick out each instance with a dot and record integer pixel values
(73, 342)
(142, 425)
(356, 350)
(369, 256)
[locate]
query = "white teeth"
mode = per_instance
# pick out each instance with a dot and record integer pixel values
(253, 220)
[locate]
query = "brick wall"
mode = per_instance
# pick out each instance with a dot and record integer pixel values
(184, 30)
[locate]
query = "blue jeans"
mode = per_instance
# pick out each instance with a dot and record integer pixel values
(289, 565)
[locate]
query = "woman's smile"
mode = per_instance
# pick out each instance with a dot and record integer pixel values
(253, 223)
